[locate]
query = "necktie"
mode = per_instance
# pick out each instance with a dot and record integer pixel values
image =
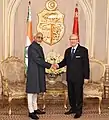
(72, 52)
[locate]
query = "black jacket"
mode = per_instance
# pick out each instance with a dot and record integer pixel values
(36, 69)
(78, 66)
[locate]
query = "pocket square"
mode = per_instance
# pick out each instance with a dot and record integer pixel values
(78, 56)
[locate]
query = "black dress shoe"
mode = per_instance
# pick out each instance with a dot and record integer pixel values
(39, 111)
(33, 116)
(69, 112)
(77, 115)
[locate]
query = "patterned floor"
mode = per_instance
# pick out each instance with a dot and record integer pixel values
(55, 111)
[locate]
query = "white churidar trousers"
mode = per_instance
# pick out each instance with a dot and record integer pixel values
(32, 102)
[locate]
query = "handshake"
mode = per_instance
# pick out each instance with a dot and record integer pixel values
(54, 66)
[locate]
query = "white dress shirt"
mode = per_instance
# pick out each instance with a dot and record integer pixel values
(74, 48)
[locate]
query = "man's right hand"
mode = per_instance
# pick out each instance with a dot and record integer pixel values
(86, 81)
(55, 66)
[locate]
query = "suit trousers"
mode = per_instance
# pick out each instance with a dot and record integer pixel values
(32, 102)
(75, 94)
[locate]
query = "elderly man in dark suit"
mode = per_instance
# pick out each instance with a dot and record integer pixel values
(77, 62)
(35, 75)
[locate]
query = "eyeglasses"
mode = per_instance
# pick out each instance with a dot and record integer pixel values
(40, 37)
(73, 39)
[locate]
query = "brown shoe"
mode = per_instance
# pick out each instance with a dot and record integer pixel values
(39, 111)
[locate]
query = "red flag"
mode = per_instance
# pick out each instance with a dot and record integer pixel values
(75, 24)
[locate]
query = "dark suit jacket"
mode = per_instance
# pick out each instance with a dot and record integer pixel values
(36, 69)
(78, 66)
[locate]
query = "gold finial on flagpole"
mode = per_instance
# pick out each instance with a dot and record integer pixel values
(76, 4)
(29, 2)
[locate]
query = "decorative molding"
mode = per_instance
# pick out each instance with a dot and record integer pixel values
(93, 28)
(7, 7)
(88, 15)
(91, 2)
(4, 41)
(107, 33)
(13, 4)
(11, 22)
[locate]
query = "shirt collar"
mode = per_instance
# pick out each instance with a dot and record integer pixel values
(75, 47)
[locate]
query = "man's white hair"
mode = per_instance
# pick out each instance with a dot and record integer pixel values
(73, 36)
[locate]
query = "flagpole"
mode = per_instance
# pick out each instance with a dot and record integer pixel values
(29, 37)
(29, 2)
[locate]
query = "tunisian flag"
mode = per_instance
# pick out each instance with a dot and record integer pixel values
(75, 24)
(29, 37)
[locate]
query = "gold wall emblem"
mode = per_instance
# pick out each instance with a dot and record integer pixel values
(51, 23)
